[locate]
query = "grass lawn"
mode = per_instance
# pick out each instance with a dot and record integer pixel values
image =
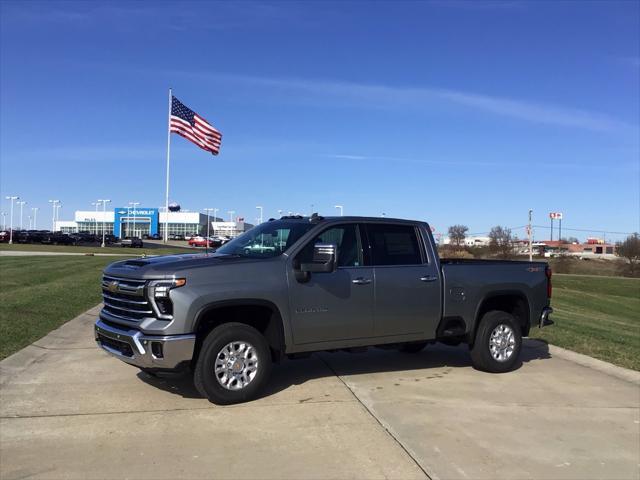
(38, 294)
(155, 250)
(597, 316)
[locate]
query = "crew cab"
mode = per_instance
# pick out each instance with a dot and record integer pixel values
(329, 283)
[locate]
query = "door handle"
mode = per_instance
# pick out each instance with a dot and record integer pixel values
(428, 278)
(361, 281)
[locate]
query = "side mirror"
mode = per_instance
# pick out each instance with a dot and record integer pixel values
(324, 259)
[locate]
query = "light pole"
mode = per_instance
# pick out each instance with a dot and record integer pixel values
(53, 218)
(280, 213)
(58, 207)
(134, 205)
(12, 199)
(35, 217)
(215, 220)
(184, 223)
(104, 214)
(206, 243)
(341, 208)
(128, 233)
(22, 203)
(530, 233)
(231, 212)
(4, 220)
(95, 218)
(260, 208)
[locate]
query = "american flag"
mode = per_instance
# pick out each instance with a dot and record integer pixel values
(193, 127)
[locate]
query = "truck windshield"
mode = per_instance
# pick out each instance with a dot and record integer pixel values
(267, 240)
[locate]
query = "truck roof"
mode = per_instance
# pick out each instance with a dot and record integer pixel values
(320, 218)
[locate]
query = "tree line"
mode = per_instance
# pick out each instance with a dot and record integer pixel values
(501, 244)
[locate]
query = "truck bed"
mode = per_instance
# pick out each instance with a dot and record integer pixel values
(468, 284)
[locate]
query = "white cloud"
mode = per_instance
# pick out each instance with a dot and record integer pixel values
(394, 97)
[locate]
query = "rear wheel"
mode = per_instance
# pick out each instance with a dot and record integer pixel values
(234, 364)
(498, 343)
(413, 347)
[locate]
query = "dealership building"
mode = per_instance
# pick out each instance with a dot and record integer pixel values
(136, 222)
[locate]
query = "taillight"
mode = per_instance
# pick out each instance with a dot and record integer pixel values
(549, 287)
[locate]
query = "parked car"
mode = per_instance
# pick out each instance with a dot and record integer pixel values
(84, 237)
(4, 236)
(176, 236)
(24, 236)
(57, 238)
(259, 248)
(200, 242)
(133, 242)
(337, 283)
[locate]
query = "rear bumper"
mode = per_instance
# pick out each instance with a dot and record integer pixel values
(144, 351)
(544, 317)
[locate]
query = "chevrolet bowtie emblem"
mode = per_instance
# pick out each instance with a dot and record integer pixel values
(113, 287)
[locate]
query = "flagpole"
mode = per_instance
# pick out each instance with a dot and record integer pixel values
(166, 197)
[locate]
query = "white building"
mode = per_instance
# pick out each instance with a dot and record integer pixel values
(125, 222)
(471, 241)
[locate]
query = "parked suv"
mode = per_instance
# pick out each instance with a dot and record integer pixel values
(133, 242)
(323, 283)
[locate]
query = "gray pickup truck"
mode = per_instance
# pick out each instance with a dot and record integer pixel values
(302, 284)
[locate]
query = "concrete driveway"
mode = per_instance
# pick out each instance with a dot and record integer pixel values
(70, 411)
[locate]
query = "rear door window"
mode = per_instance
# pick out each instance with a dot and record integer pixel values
(394, 244)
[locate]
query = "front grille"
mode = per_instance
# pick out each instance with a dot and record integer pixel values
(125, 298)
(123, 347)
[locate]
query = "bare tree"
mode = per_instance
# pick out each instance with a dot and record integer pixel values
(501, 241)
(457, 234)
(630, 251)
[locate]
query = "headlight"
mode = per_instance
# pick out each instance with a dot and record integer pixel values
(160, 288)
(159, 296)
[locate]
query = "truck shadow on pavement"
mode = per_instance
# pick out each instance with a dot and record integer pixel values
(434, 361)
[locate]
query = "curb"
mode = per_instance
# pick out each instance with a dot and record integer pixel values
(599, 365)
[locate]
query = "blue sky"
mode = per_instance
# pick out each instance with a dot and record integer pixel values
(451, 112)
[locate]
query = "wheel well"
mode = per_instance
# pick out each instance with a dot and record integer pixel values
(514, 304)
(265, 319)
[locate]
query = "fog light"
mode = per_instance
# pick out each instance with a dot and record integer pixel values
(165, 305)
(156, 349)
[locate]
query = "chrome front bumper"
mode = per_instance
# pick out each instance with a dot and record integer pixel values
(544, 317)
(145, 351)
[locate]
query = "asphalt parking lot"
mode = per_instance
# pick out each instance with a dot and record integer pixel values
(69, 410)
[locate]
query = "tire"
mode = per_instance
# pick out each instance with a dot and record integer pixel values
(505, 329)
(210, 384)
(413, 347)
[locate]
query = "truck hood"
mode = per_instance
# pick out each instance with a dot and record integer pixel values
(167, 266)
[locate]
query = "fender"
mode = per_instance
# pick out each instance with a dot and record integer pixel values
(277, 336)
(499, 293)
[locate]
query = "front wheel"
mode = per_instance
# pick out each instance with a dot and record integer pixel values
(234, 364)
(498, 342)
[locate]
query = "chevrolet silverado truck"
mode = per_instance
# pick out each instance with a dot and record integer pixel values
(339, 283)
